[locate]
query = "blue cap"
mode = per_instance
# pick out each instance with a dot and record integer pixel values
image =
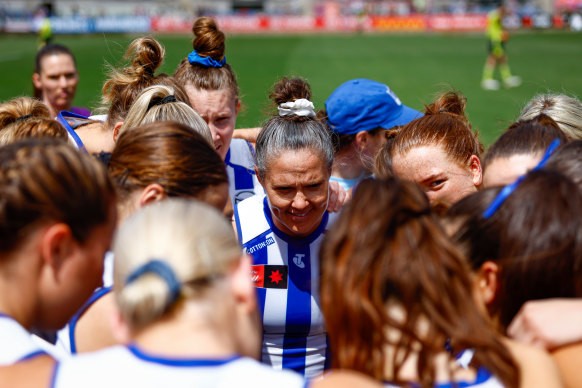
(363, 105)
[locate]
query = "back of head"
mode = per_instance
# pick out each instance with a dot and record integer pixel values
(206, 68)
(169, 154)
(530, 137)
(159, 103)
(565, 110)
(20, 109)
(443, 124)
(33, 127)
(196, 253)
(295, 127)
(47, 180)
(542, 260)
(568, 161)
(145, 55)
(387, 265)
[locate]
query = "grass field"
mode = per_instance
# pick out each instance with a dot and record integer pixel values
(415, 66)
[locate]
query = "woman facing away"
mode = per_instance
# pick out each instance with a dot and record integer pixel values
(185, 312)
(57, 217)
(400, 305)
(283, 229)
(149, 163)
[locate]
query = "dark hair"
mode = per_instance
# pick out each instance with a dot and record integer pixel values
(45, 51)
(568, 160)
(291, 132)
(535, 237)
(525, 137)
(208, 41)
(444, 123)
(167, 153)
(388, 250)
(45, 179)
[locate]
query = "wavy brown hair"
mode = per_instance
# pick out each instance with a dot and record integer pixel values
(387, 248)
(169, 154)
(444, 123)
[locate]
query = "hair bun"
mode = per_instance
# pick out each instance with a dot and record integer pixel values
(208, 40)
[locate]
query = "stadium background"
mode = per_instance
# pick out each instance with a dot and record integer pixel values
(417, 48)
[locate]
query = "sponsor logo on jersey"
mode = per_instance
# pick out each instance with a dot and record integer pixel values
(261, 245)
(298, 260)
(269, 276)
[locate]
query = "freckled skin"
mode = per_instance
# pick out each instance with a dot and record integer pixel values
(503, 171)
(444, 180)
(219, 109)
(296, 184)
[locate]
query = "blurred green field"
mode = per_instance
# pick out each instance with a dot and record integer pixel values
(415, 66)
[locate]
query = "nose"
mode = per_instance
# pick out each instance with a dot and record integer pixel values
(63, 82)
(300, 201)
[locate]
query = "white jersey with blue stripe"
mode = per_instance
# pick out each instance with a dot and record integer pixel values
(129, 366)
(484, 379)
(286, 275)
(16, 343)
(240, 167)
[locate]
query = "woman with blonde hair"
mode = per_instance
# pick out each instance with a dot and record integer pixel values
(159, 103)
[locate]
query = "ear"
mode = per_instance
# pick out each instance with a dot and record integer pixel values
(259, 176)
(57, 244)
(237, 106)
(476, 170)
(152, 193)
(487, 282)
(116, 129)
(361, 140)
(36, 80)
(242, 286)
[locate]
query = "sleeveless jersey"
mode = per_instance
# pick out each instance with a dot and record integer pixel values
(286, 275)
(240, 167)
(16, 343)
(122, 366)
(484, 378)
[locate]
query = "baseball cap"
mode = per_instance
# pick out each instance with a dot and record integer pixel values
(363, 105)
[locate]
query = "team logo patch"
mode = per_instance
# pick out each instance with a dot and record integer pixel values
(269, 276)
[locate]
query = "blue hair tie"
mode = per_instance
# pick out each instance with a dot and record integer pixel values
(510, 188)
(164, 271)
(195, 58)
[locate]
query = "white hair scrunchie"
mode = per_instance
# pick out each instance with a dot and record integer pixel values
(300, 107)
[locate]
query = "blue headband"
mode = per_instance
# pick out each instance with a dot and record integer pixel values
(510, 188)
(194, 57)
(164, 271)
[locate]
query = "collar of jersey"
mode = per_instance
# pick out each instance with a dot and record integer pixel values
(179, 362)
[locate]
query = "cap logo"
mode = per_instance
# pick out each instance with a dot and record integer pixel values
(394, 96)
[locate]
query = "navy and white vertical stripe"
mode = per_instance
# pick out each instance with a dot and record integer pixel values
(294, 336)
(240, 168)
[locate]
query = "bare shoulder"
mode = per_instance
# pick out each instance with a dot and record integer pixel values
(537, 366)
(35, 372)
(94, 328)
(569, 361)
(345, 379)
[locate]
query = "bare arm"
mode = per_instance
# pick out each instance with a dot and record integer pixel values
(548, 323)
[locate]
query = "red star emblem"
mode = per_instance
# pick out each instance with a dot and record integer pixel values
(275, 276)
